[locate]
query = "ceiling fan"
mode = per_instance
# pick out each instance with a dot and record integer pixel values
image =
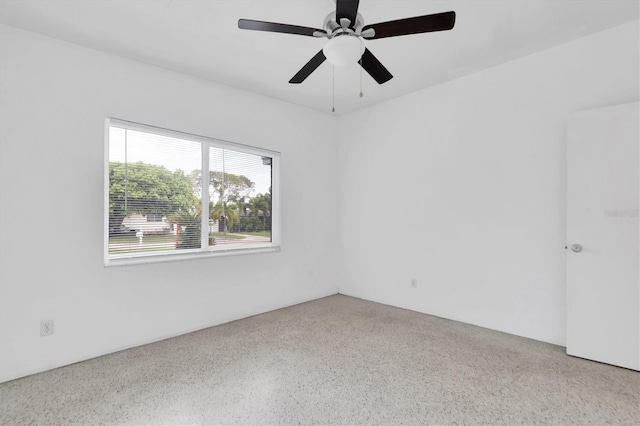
(345, 30)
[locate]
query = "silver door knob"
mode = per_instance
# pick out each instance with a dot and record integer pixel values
(576, 247)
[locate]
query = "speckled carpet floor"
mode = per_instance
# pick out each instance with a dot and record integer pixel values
(337, 360)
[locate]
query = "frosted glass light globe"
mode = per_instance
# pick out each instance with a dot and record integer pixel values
(343, 50)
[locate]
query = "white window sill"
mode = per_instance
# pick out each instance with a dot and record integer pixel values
(187, 255)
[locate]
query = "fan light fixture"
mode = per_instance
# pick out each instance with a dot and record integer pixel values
(343, 50)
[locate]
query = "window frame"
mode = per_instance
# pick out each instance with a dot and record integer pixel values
(205, 251)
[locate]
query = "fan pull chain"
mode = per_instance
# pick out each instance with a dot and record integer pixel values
(361, 63)
(333, 100)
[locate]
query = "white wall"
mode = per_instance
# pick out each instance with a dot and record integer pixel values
(470, 178)
(54, 97)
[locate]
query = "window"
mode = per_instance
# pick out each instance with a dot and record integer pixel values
(154, 217)
(172, 195)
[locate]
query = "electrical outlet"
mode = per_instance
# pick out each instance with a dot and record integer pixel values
(46, 328)
(414, 283)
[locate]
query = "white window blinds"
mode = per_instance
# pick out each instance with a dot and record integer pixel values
(172, 195)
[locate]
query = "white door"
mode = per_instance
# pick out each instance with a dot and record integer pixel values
(603, 254)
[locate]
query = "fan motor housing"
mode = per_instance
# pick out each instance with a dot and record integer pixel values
(333, 27)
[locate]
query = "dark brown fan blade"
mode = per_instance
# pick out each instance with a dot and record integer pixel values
(248, 24)
(308, 68)
(374, 67)
(347, 9)
(419, 24)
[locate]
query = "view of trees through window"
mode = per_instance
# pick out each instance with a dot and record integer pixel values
(157, 194)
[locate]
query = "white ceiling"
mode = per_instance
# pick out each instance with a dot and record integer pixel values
(201, 38)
